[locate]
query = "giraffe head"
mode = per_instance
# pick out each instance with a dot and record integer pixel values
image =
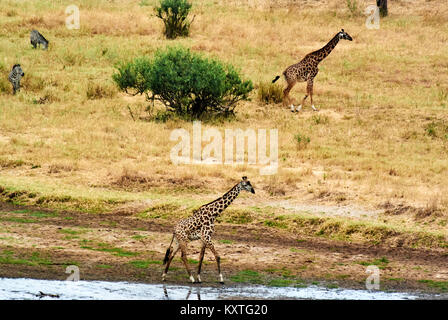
(245, 185)
(344, 35)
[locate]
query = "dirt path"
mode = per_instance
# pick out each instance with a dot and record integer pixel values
(40, 244)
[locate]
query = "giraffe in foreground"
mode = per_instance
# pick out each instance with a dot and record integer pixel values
(307, 69)
(201, 226)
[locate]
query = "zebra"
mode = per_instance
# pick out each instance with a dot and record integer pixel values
(38, 39)
(14, 77)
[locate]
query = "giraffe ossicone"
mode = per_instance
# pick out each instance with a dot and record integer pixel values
(201, 226)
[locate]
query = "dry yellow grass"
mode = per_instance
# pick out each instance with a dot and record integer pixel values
(381, 135)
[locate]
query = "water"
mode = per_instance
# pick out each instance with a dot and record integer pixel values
(24, 289)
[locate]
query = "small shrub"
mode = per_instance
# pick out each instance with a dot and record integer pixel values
(302, 140)
(270, 93)
(187, 83)
(174, 14)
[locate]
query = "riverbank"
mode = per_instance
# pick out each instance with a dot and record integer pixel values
(40, 243)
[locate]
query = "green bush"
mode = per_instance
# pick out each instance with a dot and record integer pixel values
(186, 83)
(174, 14)
(133, 77)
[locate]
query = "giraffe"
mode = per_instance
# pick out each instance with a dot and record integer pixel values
(307, 69)
(200, 226)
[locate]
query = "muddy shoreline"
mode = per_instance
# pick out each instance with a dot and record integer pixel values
(39, 243)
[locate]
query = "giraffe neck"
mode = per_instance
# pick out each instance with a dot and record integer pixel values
(223, 202)
(229, 196)
(322, 53)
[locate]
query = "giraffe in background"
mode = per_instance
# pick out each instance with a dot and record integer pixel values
(307, 69)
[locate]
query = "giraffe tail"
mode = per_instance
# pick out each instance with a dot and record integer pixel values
(276, 78)
(168, 251)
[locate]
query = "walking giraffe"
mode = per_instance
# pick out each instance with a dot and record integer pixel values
(201, 226)
(307, 69)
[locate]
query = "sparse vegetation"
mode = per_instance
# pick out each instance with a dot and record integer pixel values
(248, 276)
(35, 259)
(143, 264)
(352, 6)
(69, 144)
(174, 14)
(104, 247)
(381, 262)
(302, 140)
(98, 91)
(440, 285)
(269, 92)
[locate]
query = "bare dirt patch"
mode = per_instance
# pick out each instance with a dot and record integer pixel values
(39, 243)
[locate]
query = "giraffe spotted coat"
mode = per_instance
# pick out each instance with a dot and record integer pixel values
(201, 226)
(307, 69)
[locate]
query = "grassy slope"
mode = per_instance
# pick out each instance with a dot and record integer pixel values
(381, 136)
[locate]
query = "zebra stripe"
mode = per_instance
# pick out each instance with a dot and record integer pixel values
(37, 39)
(14, 77)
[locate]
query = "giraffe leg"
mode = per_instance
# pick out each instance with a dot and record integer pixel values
(286, 99)
(183, 248)
(201, 257)
(309, 89)
(303, 103)
(169, 261)
(218, 261)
